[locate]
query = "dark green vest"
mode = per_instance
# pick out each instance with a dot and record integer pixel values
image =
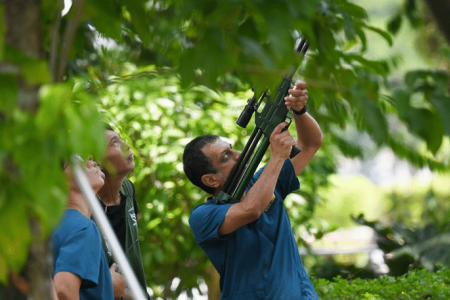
(131, 249)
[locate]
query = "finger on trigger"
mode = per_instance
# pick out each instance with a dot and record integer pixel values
(280, 127)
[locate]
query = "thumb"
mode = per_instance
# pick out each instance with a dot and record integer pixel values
(279, 128)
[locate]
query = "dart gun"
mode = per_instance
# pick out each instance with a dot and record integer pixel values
(274, 112)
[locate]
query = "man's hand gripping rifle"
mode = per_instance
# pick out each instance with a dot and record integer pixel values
(274, 112)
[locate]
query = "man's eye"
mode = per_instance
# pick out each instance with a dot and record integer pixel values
(226, 156)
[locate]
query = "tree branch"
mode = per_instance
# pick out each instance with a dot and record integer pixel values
(55, 39)
(69, 36)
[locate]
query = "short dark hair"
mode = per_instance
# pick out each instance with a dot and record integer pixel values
(196, 163)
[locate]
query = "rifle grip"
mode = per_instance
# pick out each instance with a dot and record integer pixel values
(294, 151)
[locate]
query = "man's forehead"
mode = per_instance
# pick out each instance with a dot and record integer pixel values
(216, 148)
(220, 142)
(111, 134)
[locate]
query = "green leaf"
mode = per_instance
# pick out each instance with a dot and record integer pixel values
(442, 104)
(421, 122)
(376, 121)
(54, 99)
(327, 41)
(412, 77)
(376, 66)
(349, 27)
(354, 10)
(248, 28)
(441, 79)
(395, 23)
(402, 101)
(426, 125)
(382, 33)
(362, 36)
(348, 148)
(251, 48)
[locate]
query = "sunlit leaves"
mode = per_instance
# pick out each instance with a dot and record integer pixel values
(417, 284)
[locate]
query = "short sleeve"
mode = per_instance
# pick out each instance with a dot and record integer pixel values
(80, 254)
(205, 221)
(287, 180)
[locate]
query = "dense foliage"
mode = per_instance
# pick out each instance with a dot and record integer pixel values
(417, 284)
(171, 70)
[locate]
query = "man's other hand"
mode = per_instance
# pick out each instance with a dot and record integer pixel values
(118, 282)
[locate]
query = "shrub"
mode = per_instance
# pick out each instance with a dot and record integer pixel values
(417, 284)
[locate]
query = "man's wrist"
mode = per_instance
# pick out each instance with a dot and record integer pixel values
(299, 112)
(277, 159)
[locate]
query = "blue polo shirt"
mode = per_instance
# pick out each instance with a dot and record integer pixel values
(77, 248)
(261, 262)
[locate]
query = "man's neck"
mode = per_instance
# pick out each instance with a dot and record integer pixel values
(109, 192)
(78, 202)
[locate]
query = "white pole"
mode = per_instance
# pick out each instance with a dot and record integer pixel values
(107, 232)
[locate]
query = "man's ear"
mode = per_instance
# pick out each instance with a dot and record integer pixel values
(211, 180)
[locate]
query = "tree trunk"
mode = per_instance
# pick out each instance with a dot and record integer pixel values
(23, 32)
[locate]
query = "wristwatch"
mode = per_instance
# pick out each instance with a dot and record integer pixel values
(299, 112)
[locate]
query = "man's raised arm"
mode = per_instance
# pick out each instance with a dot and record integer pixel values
(308, 131)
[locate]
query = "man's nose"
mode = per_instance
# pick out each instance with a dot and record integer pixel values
(91, 163)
